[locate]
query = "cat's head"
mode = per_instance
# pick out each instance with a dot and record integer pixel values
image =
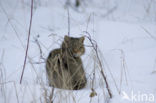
(75, 45)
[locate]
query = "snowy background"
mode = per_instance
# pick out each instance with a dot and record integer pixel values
(125, 32)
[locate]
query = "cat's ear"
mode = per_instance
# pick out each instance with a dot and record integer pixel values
(82, 39)
(66, 38)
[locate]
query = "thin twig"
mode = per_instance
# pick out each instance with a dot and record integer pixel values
(88, 22)
(51, 95)
(153, 37)
(38, 62)
(39, 46)
(68, 22)
(4, 11)
(110, 11)
(17, 35)
(16, 92)
(95, 47)
(111, 75)
(26, 53)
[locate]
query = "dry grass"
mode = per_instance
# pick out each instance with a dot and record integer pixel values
(95, 47)
(2, 78)
(53, 95)
(27, 48)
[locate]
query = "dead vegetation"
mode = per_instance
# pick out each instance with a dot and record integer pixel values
(49, 95)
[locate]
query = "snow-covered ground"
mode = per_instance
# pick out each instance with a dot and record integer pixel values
(125, 32)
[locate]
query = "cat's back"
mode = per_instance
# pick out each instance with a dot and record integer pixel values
(54, 53)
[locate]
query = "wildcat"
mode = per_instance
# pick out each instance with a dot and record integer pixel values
(64, 66)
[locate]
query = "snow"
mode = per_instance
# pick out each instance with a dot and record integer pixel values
(125, 38)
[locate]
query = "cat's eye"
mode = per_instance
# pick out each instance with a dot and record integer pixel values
(81, 47)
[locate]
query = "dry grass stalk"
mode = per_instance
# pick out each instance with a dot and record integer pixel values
(51, 95)
(93, 93)
(2, 78)
(123, 69)
(16, 92)
(68, 22)
(26, 53)
(41, 53)
(111, 76)
(153, 37)
(95, 47)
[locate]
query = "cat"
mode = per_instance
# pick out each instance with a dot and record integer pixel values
(64, 66)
